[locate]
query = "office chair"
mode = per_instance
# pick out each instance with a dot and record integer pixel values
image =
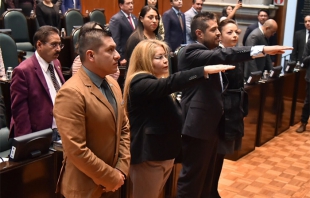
(5, 142)
(72, 18)
(17, 22)
(98, 16)
(9, 51)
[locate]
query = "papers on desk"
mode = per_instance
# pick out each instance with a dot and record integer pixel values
(57, 145)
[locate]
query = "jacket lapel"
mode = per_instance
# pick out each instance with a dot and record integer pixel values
(96, 92)
(40, 74)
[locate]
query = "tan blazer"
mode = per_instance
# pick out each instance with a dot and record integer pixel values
(94, 141)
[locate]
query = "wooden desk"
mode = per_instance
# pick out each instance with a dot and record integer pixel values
(34, 178)
(250, 123)
(270, 105)
(286, 106)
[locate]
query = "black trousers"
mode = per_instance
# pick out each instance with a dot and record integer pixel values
(197, 167)
(306, 107)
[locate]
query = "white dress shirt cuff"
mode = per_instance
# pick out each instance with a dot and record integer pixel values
(257, 51)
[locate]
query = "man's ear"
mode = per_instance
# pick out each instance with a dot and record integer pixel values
(90, 55)
(198, 33)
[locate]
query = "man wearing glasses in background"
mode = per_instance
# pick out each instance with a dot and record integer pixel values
(35, 83)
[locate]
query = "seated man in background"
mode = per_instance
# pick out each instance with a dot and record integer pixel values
(94, 129)
(34, 85)
(259, 36)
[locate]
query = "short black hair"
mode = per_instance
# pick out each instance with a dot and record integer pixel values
(263, 10)
(43, 33)
(199, 22)
(91, 39)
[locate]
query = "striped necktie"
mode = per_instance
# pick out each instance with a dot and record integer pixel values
(53, 77)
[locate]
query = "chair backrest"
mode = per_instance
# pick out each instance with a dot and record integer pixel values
(74, 41)
(174, 59)
(9, 51)
(72, 18)
(98, 16)
(5, 143)
(17, 22)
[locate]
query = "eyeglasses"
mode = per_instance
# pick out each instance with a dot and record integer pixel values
(55, 45)
(161, 57)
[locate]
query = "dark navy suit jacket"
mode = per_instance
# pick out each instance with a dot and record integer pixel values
(299, 44)
(174, 35)
(32, 106)
(66, 4)
(121, 30)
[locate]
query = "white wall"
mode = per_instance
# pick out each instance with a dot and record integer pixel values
(289, 26)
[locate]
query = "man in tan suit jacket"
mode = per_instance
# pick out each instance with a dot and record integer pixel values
(94, 132)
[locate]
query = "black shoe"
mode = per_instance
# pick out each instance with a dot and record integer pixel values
(302, 128)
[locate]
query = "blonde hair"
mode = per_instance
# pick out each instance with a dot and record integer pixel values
(141, 61)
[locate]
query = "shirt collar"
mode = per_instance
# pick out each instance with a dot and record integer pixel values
(194, 10)
(93, 77)
(126, 15)
(176, 11)
(43, 64)
(261, 30)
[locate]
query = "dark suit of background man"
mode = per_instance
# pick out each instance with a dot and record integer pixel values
(262, 16)
(202, 105)
(67, 4)
(306, 108)
(300, 40)
(25, 5)
(32, 89)
(259, 36)
(94, 129)
(122, 24)
(174, 25)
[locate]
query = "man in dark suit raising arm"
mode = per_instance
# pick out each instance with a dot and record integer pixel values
(202, 105)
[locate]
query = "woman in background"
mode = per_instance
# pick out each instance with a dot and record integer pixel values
(161, 30)
(147, 28)
(77, 61)
(229, 12)
(235, 105)
(47, 13)
(155, 116)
